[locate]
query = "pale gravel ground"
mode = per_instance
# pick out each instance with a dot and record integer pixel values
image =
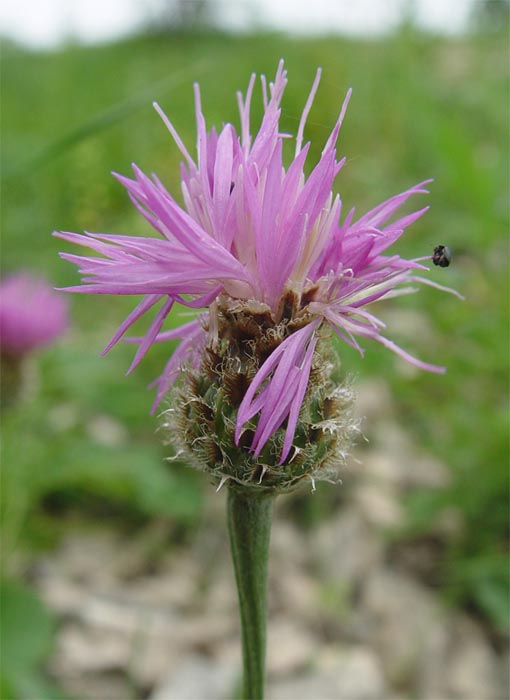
(347, 620)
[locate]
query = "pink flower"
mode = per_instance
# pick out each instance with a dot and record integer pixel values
(255, 231)
(31, 314)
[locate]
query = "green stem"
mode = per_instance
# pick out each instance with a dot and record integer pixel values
(249, 525)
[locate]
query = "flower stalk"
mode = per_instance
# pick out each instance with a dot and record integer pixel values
(249, 524)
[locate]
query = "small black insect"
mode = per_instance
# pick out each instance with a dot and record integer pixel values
(442, 256)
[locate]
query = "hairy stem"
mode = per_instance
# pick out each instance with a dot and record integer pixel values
(249, 525)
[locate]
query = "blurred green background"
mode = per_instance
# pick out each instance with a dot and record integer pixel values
(81, 445)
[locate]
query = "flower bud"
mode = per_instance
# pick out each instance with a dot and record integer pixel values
(201, 420)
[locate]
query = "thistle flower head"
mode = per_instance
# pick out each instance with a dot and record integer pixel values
(265, 251)
(31, 314)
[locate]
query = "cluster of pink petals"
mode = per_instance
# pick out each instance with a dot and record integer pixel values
(31, 314)
(282, 397)
(253, 229)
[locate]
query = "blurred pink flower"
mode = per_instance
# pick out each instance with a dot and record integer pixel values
(32, 314)
(255, 231)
